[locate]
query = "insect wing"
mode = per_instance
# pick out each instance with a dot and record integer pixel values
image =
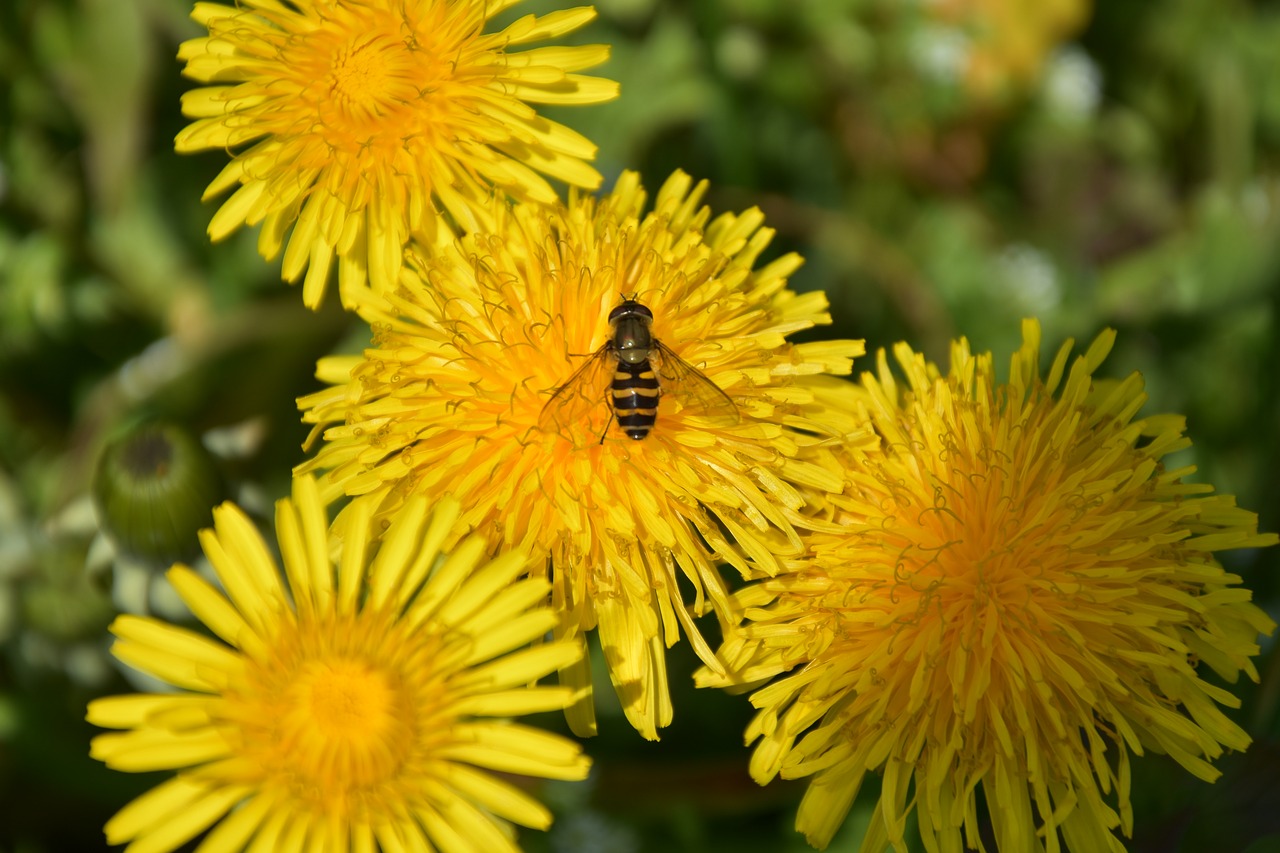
(584, 392)
(698, 394)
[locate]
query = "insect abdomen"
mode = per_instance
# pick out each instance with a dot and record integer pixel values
(635, 398)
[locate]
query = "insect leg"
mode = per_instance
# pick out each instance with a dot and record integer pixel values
(607, 424)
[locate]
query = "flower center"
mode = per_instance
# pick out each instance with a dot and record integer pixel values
(344, 710)
(362, 69)
(331, 713)
(979, 538)
(367, 74)
(370, 77)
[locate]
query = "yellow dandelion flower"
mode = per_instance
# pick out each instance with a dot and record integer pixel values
(1008, 41)
(364, 118)
(1019, 596)
(351, 703)
(469, 349)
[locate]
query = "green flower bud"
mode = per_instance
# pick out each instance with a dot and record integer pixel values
(155, 487)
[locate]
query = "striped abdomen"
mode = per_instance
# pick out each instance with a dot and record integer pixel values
(635, 398)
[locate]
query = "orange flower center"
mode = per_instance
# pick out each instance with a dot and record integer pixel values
(332, 715)
(370, 71)
(369, 74)
(344, 710)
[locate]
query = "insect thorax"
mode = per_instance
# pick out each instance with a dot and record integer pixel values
(632, 339)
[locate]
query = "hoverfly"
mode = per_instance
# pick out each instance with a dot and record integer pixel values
(644, 369)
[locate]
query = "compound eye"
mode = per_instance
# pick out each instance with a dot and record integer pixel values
(630, 308)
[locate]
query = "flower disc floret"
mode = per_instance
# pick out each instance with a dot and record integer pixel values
(1019, 596)
(469, 349)
(368, 122)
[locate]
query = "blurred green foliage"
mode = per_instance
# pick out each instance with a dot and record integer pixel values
(1130, 178)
